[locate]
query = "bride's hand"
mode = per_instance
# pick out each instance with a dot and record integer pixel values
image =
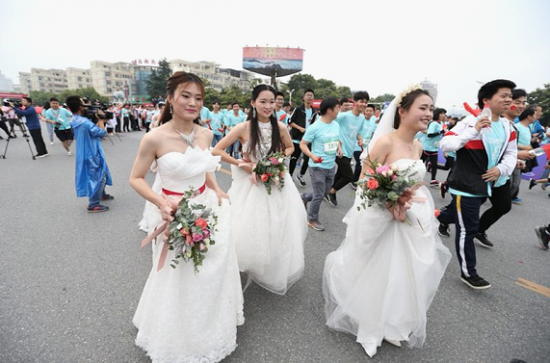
(247, 166)
(221, 196)
(167, 210)
(399, 210)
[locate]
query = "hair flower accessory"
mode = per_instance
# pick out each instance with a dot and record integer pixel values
(408, 90)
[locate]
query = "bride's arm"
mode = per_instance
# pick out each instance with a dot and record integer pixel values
(211, 183)
(229, 139)
(379, 153)
(145, 157)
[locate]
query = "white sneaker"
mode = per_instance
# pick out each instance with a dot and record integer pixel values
(51, 142)
(69, 153)
(397, 343)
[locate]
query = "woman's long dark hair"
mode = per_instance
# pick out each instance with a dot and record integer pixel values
(172, 85)
(255, 134)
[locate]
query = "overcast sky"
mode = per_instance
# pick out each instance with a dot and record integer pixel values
(378, 46)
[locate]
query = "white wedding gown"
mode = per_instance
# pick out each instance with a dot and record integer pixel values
(183, 316)
(381, 281)
(268, 230)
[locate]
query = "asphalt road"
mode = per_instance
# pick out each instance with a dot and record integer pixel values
(70, 281)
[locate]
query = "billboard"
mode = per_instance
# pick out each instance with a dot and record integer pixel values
(273, 61)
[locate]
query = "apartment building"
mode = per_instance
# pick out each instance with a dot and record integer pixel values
(6, 84)
(79, 78)
(47, 80)
(112, 79)
(218, 78)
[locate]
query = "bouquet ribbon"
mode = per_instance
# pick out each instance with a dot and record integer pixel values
(164, 227)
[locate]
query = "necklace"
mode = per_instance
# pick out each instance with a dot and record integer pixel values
(408, 145)
(187, 139)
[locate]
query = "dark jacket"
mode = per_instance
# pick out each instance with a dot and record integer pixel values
(30, 115)
(299, 118)
(471, 155)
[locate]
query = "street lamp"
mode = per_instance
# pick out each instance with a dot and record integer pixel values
(290, 93)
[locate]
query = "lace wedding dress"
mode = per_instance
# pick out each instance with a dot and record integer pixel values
(268, 230)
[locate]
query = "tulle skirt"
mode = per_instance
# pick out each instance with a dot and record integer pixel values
(185, 316)
(268, 231)
(381, 281)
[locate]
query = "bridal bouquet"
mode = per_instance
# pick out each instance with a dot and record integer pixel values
(271, 170)
(387, 187)
(190, 233)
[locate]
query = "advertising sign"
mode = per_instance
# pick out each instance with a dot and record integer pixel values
(273, 61)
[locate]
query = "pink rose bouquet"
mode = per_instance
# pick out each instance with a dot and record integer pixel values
(387, 187)
(271, 170)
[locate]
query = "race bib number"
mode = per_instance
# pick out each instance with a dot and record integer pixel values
(331, 146)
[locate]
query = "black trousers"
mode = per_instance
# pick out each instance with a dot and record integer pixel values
(36, 135)
(4, 127)
(431, 157)
(501, 200)
(464, 212)
(344, 174)
(126, 124)
(358, 165)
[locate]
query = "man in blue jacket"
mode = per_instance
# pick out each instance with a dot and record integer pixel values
(91, 171)
(33, 124)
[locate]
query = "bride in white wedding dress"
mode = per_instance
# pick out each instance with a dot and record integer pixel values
(185, 316)
(381, 281)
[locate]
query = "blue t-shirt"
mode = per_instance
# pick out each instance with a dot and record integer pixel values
(232, 120)
(431, 144)
(324, 143)
(205, 114)
(350, 126)
(524, 134)
(124, 113)
(216, 123)
(61, 115)
(368, 130)
(494, 141)
(282, 117)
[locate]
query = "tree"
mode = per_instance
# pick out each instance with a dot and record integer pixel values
(40, 97)
(299, 83)
(541, 97)
(156, 84)
(386, 97)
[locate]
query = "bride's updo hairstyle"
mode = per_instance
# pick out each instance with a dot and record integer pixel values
(255, 134)
(406, 102)
(172, 85)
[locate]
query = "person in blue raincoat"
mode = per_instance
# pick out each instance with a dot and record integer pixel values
(91, 171)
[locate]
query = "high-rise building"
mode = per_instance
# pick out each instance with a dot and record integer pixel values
(111, 79)
(6, 85)
(25, 82)
(431, 88)
(142, 71)
(47, 80)
(79, 78)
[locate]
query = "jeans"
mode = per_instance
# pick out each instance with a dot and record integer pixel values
(100, 192)
(233, 150)
(216, 139)
(344, 174)
(321, 182)
(50, 128)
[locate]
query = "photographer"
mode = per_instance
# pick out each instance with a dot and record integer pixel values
(60, 118)
(33, 124)
(3, 126)
(91, 171)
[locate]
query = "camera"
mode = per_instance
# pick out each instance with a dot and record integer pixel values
(16, 103)
(91, 111)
